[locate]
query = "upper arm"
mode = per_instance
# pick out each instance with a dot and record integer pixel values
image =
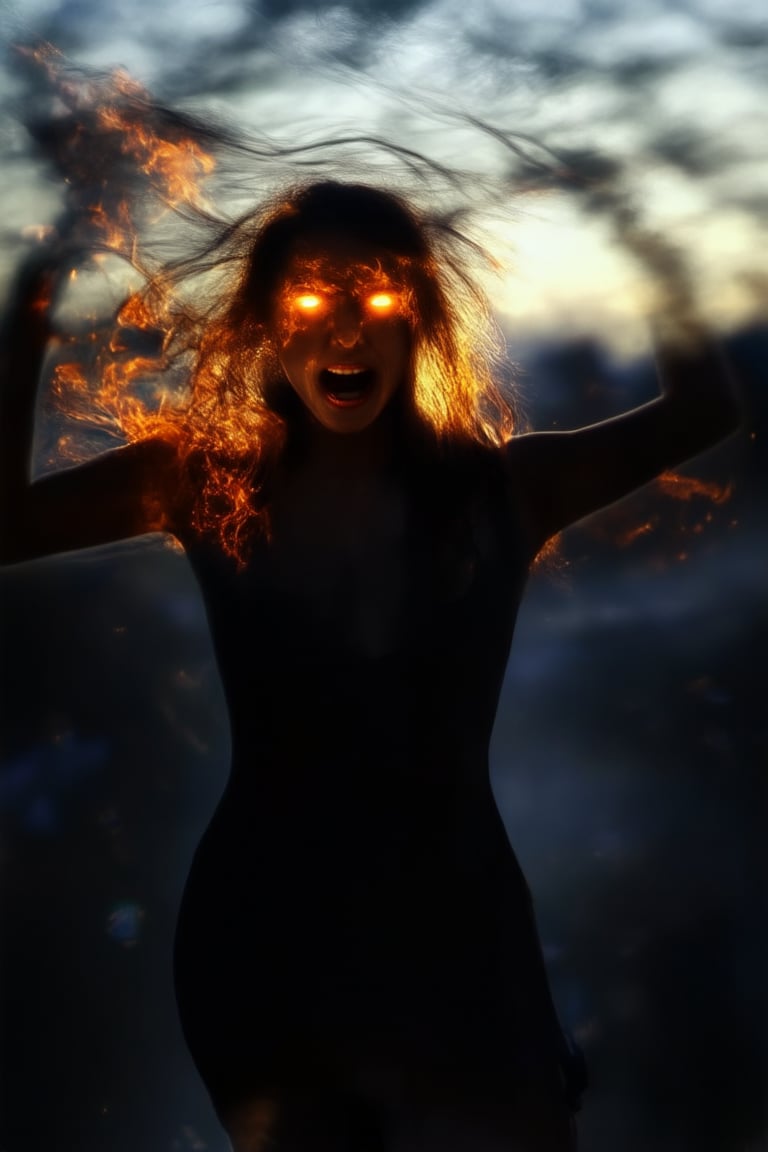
(557, 478)
(122, 493)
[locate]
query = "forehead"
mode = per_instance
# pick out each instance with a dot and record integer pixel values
(342, 260)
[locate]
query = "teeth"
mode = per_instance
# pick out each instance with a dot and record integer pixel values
(346, 383)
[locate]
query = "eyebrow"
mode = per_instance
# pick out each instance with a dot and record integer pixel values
(317, 271)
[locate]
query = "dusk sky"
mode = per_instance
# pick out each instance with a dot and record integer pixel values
(675, 93)
(629, 755)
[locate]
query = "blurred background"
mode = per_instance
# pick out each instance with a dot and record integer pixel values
(629, 757)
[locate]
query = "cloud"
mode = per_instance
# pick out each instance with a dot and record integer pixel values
(369, 10)
(674, 98)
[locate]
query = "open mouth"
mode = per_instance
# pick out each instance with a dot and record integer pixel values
(347, 385)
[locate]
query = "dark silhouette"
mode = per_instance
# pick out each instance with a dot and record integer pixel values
(357, 962)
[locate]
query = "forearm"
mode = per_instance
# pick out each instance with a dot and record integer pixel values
(699, 390)
(591, 467)
(24, 340)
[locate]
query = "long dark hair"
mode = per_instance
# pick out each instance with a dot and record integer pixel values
(234, 422)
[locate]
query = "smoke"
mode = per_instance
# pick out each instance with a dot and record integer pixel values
(111, 147)
(671, 100)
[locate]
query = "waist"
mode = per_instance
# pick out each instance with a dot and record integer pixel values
(365, 825)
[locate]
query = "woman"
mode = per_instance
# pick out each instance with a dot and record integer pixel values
(357, 964)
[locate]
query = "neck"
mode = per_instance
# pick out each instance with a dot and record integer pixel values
(362, 455)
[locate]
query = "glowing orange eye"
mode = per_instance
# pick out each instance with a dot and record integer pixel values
(308, 302)
(382, 301)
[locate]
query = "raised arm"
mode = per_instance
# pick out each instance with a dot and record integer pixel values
(119, 494)
(557, 478)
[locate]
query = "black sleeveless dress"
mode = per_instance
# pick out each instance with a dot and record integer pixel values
(355, 921)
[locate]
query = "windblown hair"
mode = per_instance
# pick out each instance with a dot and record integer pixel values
(199, 333)
(238, 418)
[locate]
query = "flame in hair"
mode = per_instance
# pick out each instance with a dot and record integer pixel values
(189, 357)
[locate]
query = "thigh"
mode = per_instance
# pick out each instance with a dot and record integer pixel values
(475, 1085)
(232, 993)
(331, 1121)
(529, 1116)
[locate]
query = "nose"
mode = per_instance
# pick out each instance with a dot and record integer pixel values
(346, 323)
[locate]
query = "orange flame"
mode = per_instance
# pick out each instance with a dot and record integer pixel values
(174, 167)
(116, 231)
(688, 487)
(135, 313)
(629, 535)
(616, 527)
(104, 120)
(118, 153)
(107, 133)
(69, 378)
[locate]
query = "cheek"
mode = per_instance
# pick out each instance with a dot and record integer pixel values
(399, 347)
(296, 356)
(294, 345)
(290, 360)
(297, 336)
(290, 325)
(285, 331)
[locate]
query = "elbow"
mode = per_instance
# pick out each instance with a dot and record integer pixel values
(15, 546)
(726, 398)
(702, 395)
(11, 550)
(724, 407)
(7, 542)
(719, 417)
(733, 416)
(706, 426)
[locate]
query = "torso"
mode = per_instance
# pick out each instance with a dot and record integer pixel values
(357, 856)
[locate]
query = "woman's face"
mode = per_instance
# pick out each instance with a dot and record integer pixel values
(342, 324)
